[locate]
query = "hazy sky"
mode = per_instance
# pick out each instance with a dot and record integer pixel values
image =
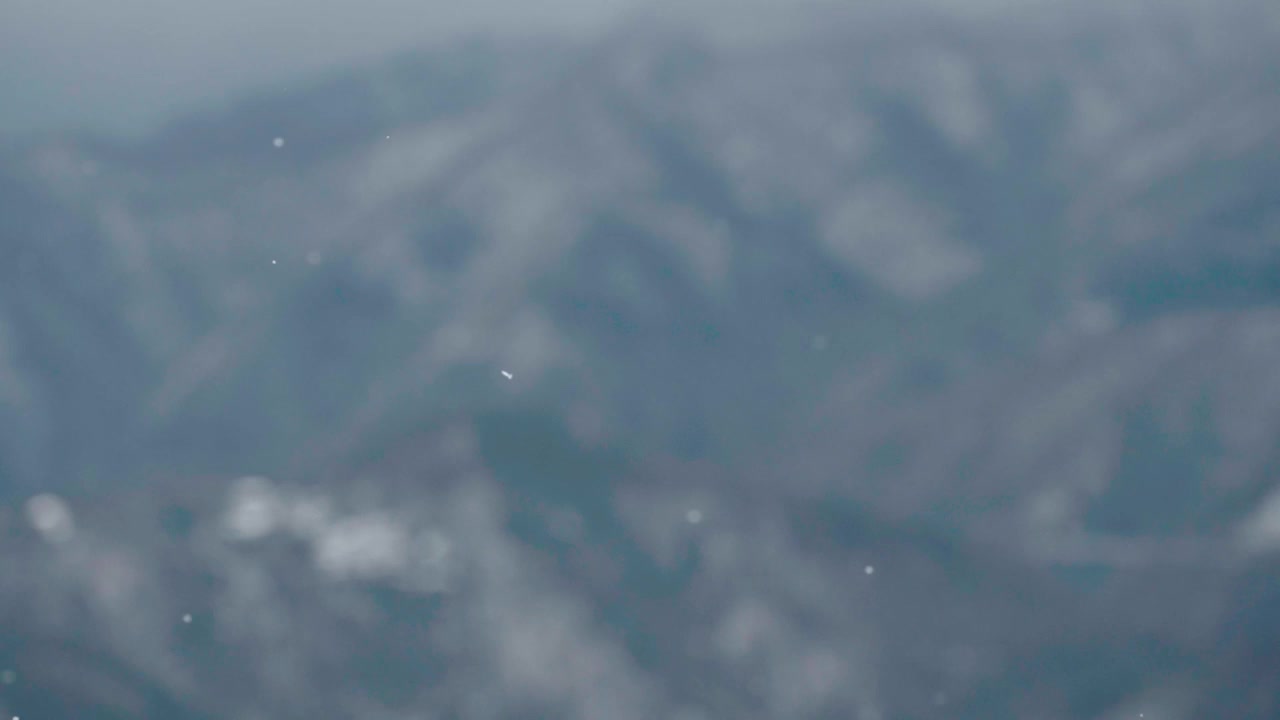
(120, 65)
(126, 65)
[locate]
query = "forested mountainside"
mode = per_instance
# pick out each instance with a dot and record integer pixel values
(876, 365)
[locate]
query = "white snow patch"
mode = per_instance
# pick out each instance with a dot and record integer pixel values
(748, 626)
(254, 510)
(952, 96)
(1052, 509)
(435, 547)
(414, 159)
(1261, 531)
(881, 232)
(307, 517)
(51, 517)
(362, 547)
(1093, 317)
(533, 343)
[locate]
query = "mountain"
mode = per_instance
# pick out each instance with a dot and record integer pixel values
(862, 363)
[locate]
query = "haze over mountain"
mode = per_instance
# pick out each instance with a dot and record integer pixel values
(875, 364)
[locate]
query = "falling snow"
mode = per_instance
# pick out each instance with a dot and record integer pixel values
(768, 603)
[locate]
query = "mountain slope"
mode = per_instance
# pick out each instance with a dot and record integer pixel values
(865, 365)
